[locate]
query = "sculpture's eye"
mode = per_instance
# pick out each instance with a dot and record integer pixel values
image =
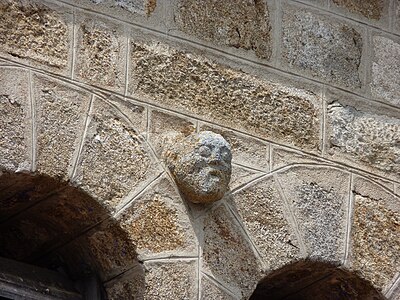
(204, 151)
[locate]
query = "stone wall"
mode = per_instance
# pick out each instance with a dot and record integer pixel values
(306, 92)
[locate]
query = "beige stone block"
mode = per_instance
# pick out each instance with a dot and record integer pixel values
(200, 87)
(129, 286)
(375, 235)
(364, 139)
(263, 213)
(246, 150)
(167, 129)
(101, 52)
(171, 280)
(210, 290)
(15, 121)
(241, 176)
(115, 162)
(61, 111)
(321, 46)
(282, 157)
(38, 33)
(158, 223)
(385, 82)
(228, 255)
(235, 23)
(318, 198)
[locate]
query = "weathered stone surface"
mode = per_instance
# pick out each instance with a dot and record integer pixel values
(375, 233)
(227, 255)
(129, 286)
(171, 280)
(201, 166)
(246, 150)
(158, 223)
(60, 114)
(241, 176)
(237, 23)
(371, 9)
(386, 70)
(363, 139)
(262, 211)
(397, 17)
(212, 291)
(101, 52)
(15, 126)
(282, 157)
(198, 86)
(145, 7)
(318, 198)
(114, 160)
(37, 32)
(166, 129)
(321, 47)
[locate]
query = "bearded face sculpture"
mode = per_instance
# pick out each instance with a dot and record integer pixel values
(201, 166)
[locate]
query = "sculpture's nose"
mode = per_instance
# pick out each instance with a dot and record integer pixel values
(215, 158)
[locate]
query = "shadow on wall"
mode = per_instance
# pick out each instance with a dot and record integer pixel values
(314, 280)
(56, 226)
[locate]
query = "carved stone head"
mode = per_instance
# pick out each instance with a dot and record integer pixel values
(201, 166)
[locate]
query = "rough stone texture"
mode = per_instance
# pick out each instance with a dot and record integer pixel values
(134, 6)
(261, 209)
(321, 47)
(385, 82)
(318, 198)
(363, 139)
(212, 291)
(60, 114)
(246, 150)
(171, 280)
(240, 176)
(36, 32)
(397, 17)
(198, 86)
(282, 157)
(128, 286)
(371, 9)
(375, 233)
(15, 127)
(101, 52)
(114, 159)
(238, 23)
(227, 255)
(201, 166)
(166, 129)
(158, 223)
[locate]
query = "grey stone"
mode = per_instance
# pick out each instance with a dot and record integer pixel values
(61, 114)
(225, 96)
(201, 166)
(282, 157)
(15, 124)
(386, 70)
(236, 23)
(318, 198)
(321, 47)
(364, 139)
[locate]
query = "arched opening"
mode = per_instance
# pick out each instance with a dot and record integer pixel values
(56, 242)
(306, 280)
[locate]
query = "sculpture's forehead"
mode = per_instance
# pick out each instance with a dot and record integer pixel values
(212, 139)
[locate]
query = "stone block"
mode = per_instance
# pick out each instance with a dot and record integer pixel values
(167, 129)
(158, 223)
(209, 290)
(263, 213)
(101, 52)
(321, 46)
(37, 33)
(240, 176)
(375, 236)
(246, 150)
(227, 255)
(363, 139)
(61, 111)
(385, 81)
(128, 286)
(130, 8)
(318, 198)
(370, 10)
(197, 86)
(236, 23)
(171, 280)
(115, 162)
(15, 121)
(282, 157)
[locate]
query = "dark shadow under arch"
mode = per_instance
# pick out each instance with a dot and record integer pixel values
(309, 280)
